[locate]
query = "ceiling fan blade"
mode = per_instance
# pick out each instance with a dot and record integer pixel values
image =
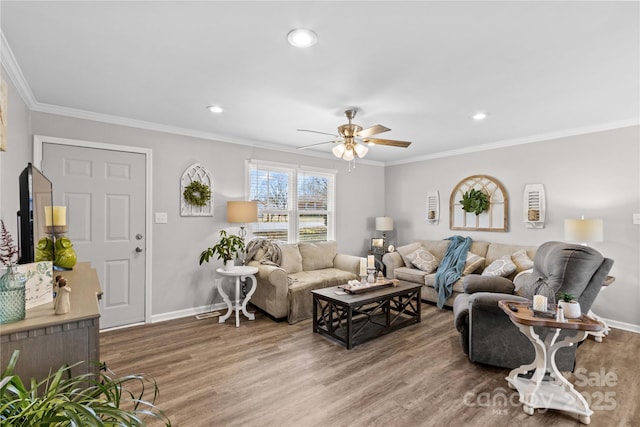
(313, 145)
(390, 142)
(317, 131)
(373, 130)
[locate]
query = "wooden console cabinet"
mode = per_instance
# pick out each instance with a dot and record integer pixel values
(48, 341)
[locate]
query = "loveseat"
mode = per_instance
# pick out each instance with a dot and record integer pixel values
(284, 290)
(402, 265)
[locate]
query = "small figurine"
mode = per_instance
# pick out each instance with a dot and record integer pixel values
(62, 304)
(380, 277)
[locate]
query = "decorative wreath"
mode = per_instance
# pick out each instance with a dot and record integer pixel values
(197, 193)
(474, 201)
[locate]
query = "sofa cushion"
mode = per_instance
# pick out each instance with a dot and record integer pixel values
(521, 259)
(477, 283)
(406, 250)
(316, 256)
(423, 260)
(409, 274)
(302, 283)
(291, 260)
(473, 263)
(458, 285)
(502, 267)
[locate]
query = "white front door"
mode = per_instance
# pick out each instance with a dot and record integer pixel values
(104, 192)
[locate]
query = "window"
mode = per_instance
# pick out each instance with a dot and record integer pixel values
(295, 204)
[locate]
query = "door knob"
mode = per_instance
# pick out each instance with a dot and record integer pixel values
(138, 236)
(138, 249)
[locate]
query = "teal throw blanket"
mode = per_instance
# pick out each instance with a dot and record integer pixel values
(451, 267)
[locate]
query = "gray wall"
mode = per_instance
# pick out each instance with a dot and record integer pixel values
(178, 282)
(596, 175)
(19, 153)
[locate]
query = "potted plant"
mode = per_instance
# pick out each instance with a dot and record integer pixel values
(227, 249)
(84, 400)
(570, 306)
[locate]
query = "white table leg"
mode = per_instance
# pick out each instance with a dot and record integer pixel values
(236, 302)
(226, 299)
(249, 316)
(600, 334)
(557, 392)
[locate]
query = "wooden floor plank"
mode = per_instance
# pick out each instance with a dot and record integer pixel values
(274, 374)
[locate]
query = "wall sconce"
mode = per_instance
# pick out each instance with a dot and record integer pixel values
(433, 208)
(534, 209)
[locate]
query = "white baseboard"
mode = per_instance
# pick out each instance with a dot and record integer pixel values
(187, 312)
(622, 325)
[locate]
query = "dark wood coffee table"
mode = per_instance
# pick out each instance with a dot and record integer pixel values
(352, 319)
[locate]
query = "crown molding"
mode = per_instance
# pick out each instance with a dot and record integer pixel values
(521, 141)
(15, 73)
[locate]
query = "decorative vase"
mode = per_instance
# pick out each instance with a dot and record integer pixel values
(229, 264)
(12, 295)
(571, 309)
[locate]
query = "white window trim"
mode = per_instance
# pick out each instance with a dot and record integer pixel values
(292, 202)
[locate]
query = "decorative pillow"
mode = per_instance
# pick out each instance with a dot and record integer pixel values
(502, 267)
(424, 260)
(406, 250)
(473, 263)
(521, 260)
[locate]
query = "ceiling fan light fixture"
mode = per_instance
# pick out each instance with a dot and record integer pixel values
(302, 37)
(361, 150)
(338, 150)
(348, 155)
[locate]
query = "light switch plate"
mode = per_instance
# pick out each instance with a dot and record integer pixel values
(161, 217)
(636, 218)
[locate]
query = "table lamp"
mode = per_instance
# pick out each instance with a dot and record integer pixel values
(242, 212)
(583, 230)
(384, 223)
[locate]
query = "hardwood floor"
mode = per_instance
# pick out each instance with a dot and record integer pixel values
(275, 374)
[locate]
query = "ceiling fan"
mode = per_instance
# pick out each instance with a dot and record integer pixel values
(353, 140)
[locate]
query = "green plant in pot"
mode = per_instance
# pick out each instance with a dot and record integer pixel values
(570, 307)
(227, 249)
(83, 400)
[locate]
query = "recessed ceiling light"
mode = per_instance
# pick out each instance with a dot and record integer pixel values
(301, 37)
(215, 109)
(480, 116)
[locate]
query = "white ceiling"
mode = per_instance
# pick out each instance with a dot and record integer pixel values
(421, 68)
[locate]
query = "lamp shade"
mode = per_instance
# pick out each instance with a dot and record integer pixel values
(242, 212)
(583, 230)
(384, 223)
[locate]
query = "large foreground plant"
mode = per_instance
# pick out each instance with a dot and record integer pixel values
(83, 400)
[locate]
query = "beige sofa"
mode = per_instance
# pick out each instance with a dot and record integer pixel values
(399, 267)
(285, 290)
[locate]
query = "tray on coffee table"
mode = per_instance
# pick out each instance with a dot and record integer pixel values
(368, 287)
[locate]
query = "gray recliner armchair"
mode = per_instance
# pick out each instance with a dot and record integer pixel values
(486, 333)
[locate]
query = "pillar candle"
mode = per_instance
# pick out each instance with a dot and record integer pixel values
(59, 215)
(371, 263)
(363, 267)
(48, 216)
(539, 303)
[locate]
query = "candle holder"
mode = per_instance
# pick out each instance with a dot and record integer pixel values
(371, 278)
(65, 256)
